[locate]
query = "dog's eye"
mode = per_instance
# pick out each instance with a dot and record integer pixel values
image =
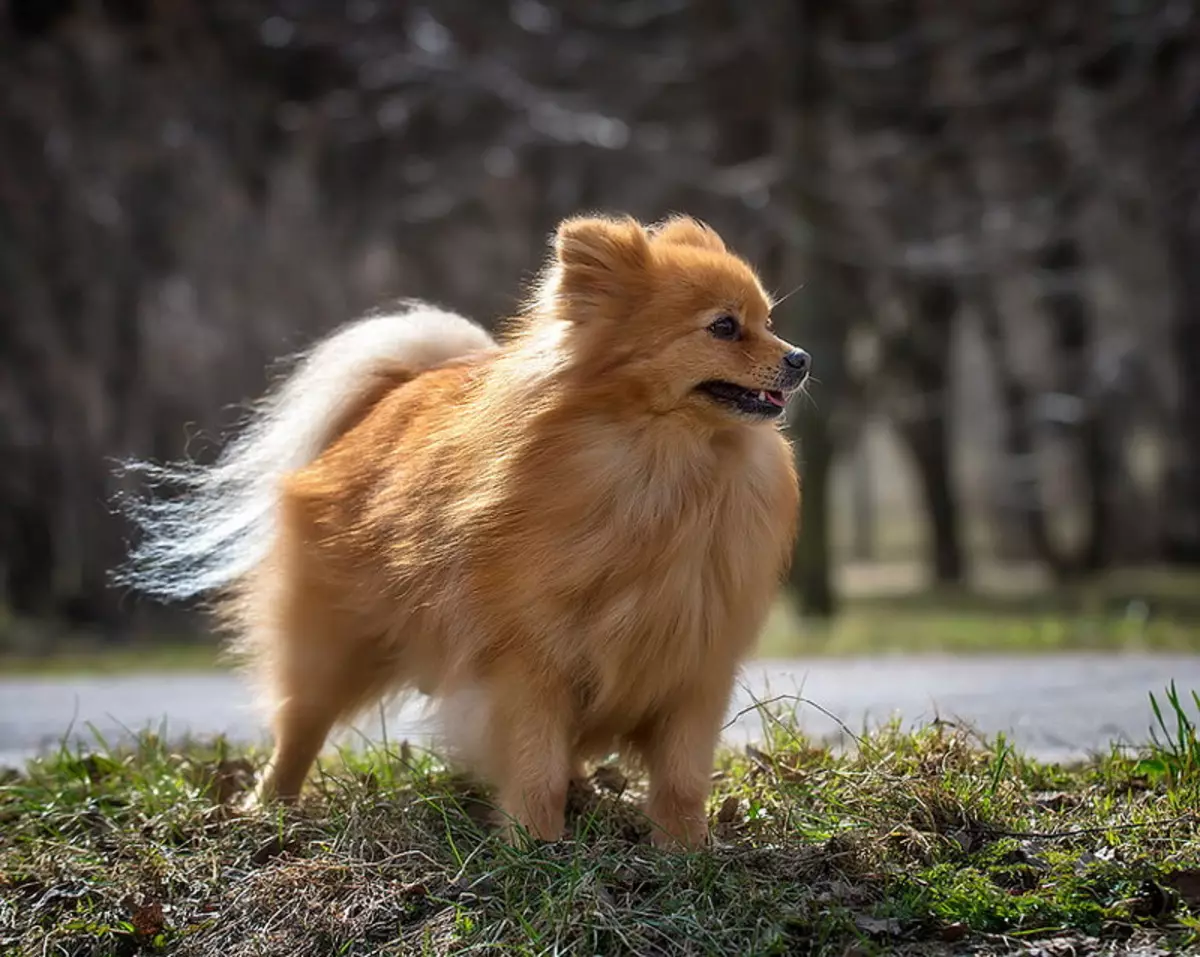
(724, 327)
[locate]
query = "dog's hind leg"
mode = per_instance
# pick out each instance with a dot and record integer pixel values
(316, 669)
(303, 717)
(312, 686)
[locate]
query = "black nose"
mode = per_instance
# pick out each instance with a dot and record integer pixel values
(799, 360)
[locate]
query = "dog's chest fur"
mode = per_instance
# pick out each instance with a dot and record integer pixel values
(648, 564)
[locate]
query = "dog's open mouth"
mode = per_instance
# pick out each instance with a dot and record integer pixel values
(765, 403)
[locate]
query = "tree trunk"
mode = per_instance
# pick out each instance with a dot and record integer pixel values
(1177, 172)
(862, 501)
(921, 356)
(927, 440)
(1164, 69)
(1183, 485)
(1017, 440)
(1061, 266)
(812, 567)
(810, 318)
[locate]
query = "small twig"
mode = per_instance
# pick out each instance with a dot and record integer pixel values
(1095, 829)
(466, 860)
(755, 707)
(798, 699)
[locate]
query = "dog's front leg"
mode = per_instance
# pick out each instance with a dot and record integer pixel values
(530, 749)
(678, 748)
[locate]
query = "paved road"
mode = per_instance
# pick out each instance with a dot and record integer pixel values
(1054, 707)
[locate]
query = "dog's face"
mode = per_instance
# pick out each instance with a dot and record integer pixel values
(667, 320)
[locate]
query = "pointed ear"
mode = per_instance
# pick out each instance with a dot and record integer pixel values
(600, 256)
(685, 231)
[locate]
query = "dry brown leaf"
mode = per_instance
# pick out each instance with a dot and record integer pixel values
(761, 758)
(955, 931)
(1187, 884)
(230, 779)
(272, 849)
(148, 919)
(730, 810)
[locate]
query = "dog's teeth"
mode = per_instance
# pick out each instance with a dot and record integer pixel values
(762, 396)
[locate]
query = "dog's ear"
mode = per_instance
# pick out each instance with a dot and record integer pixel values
(685, 231)
(599, 256)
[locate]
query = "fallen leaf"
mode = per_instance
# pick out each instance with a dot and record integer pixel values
(878, 926)
(729, 810)
(272, 849)
(762, 759)
(229, 779)
(1055, 947)
(148, 919)
(1054, 800)
(966, 839)
(955, 931)
(1151, 901)
(1186, 883)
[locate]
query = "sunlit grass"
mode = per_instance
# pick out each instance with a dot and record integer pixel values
(143, 656)
(924, 842)
(1138, 610)
(877, 628)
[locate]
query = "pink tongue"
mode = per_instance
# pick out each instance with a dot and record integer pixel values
(775, 399)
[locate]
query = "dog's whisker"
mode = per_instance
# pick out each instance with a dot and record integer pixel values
(776, 302)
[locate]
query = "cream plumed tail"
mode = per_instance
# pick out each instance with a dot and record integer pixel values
(217, 521)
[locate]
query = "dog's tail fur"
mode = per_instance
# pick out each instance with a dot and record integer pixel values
(219, 525)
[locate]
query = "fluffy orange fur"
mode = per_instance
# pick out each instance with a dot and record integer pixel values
(561, 538)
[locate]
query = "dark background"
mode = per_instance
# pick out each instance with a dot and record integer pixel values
(987, 215)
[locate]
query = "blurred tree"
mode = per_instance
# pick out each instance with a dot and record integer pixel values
(188, 190)
(810, 316)
(895, 181)
(920, 358)
(1173, 109)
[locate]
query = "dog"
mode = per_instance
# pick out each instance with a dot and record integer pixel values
(569, 537)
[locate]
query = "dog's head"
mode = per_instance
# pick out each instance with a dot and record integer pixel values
(665, 319)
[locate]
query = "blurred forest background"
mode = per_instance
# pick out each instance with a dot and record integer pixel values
(991, 211)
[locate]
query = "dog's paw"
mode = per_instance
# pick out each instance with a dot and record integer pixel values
(682, 836)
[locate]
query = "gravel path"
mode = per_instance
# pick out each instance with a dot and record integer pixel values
(1054, 707)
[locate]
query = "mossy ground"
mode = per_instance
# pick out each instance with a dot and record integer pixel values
(932, 842)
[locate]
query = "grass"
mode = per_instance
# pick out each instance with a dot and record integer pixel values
(1155, 610)
(881, 627)
(1148, 610)
(867, 627)
(932, 842)
(140, 657)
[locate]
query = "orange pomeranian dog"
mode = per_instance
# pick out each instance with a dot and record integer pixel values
(570, 539)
